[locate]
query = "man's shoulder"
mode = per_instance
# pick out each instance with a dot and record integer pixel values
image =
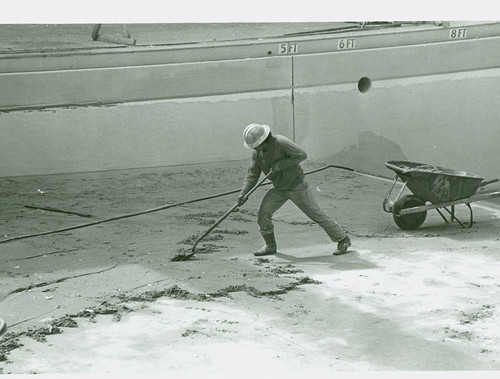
(281, 138)
(286, 144)
(285, 141)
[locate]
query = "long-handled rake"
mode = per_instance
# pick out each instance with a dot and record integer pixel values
(184, 257)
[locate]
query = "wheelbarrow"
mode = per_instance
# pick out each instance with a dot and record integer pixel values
(432, 187)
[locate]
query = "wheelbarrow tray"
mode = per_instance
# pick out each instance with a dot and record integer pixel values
(435, 184)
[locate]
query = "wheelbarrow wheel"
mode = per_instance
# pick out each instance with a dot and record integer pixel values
(412, 220)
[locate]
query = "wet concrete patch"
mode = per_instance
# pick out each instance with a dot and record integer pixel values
(192, 239)
(172, 292)
(205, 248)
(288, 269)
(12, 341)
(232, 232)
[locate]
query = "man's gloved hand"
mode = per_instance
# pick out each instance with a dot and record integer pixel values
(242, 200)
(278, 166)
(274, 172)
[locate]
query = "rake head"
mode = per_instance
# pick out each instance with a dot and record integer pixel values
(184, 256)
(181, 257)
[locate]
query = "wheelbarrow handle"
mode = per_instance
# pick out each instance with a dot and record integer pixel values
(486, 182)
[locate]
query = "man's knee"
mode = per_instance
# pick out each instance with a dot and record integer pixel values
(264, 218)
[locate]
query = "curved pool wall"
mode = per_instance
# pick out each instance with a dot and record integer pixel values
(357, 99)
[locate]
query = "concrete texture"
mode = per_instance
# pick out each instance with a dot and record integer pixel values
(106, 299)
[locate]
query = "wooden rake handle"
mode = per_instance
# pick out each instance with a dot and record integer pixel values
(224, 216)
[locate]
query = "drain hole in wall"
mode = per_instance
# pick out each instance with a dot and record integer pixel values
(364, 84)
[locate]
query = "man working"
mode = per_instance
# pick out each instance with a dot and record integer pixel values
(280, 155)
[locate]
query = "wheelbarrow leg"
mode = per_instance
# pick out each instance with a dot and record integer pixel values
(442, 216)
(386, 200)
(391, 203)
(453, 218)
(471, 220)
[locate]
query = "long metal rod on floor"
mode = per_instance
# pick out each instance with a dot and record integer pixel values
(150, 210)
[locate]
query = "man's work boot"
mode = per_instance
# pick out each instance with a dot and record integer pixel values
(342, 246)
(269, 248)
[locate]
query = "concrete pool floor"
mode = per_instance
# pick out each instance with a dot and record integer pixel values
(107, 299)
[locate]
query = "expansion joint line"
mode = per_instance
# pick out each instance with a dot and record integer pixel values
(60, 280)
(293, 101)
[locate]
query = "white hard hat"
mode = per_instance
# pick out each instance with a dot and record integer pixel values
(254, 135)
